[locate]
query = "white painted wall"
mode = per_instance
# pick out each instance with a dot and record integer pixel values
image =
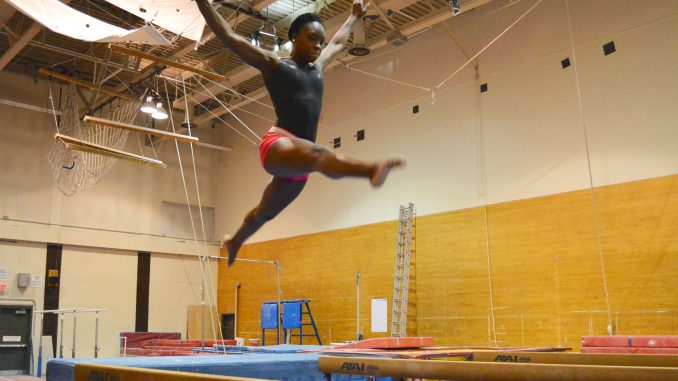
(126, 200)
(175, 283)
(102, 228)
(22, 257)
(523, 138)
(97, 278)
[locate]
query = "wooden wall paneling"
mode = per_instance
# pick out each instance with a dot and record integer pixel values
(546, 275)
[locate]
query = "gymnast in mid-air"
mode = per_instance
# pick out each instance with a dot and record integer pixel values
(288, 150)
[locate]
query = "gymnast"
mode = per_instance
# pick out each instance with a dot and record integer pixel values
(288, 150)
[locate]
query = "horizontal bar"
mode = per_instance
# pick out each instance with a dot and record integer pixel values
(246, 260)
(93, 310)
(71, 310)
(84, 84)
(164, 61)
(482, 371)
(131, 127)
(89, 372)
(576, 358)
(85, 146)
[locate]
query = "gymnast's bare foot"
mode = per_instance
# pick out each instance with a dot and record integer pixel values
(382, 169)
(231, 249)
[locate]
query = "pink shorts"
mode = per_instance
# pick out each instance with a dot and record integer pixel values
(266, 142)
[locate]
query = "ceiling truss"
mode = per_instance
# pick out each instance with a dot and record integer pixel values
(115, 69)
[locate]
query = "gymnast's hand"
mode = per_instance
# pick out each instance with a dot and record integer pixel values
(359, 10)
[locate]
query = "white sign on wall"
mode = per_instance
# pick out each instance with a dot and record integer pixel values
(4, 275)
(36, 281)
(379, 317)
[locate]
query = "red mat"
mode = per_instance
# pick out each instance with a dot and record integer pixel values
(389, 343)
(136, 339)
(639, 350)
(636, 341)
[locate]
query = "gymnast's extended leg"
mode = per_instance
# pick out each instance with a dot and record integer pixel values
(291, 156)
(279, 193)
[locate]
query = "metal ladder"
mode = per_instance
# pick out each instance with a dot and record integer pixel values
(402, 271)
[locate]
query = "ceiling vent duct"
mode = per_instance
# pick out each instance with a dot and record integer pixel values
(189, 117)
(359, 49)
(396, 38)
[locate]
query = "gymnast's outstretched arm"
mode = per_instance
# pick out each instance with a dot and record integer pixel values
(339, 40)
(254, 56)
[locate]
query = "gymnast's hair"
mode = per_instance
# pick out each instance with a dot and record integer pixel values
(299, 23)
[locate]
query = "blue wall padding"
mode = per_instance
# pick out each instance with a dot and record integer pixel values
(269, 315)
(285, 367)
(291, 315)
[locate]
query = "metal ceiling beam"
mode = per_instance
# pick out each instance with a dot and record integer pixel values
(81, 83)
(245, 72)
(408, 29)
(67, 52)
(19, 44)
(181, 51)
(22, 42)
(6, 12)
(164, 61)
(258, 6)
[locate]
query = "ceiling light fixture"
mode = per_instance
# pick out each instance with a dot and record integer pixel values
(160, 112)
(148, 107)
(255, 38)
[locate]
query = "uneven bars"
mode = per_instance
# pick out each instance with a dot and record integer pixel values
(278, 266)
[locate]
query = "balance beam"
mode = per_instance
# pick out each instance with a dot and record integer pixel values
(482, 371)
(572, 358)
(99, 372)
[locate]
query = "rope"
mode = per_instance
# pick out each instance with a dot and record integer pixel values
(387, 79)
(239, 109)
(51, 100)
(596, 219)
(492, 324)
(229, 110)
(235, 92)
(188, 202)
(212, 294)
(487, 46)
(219, 118)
